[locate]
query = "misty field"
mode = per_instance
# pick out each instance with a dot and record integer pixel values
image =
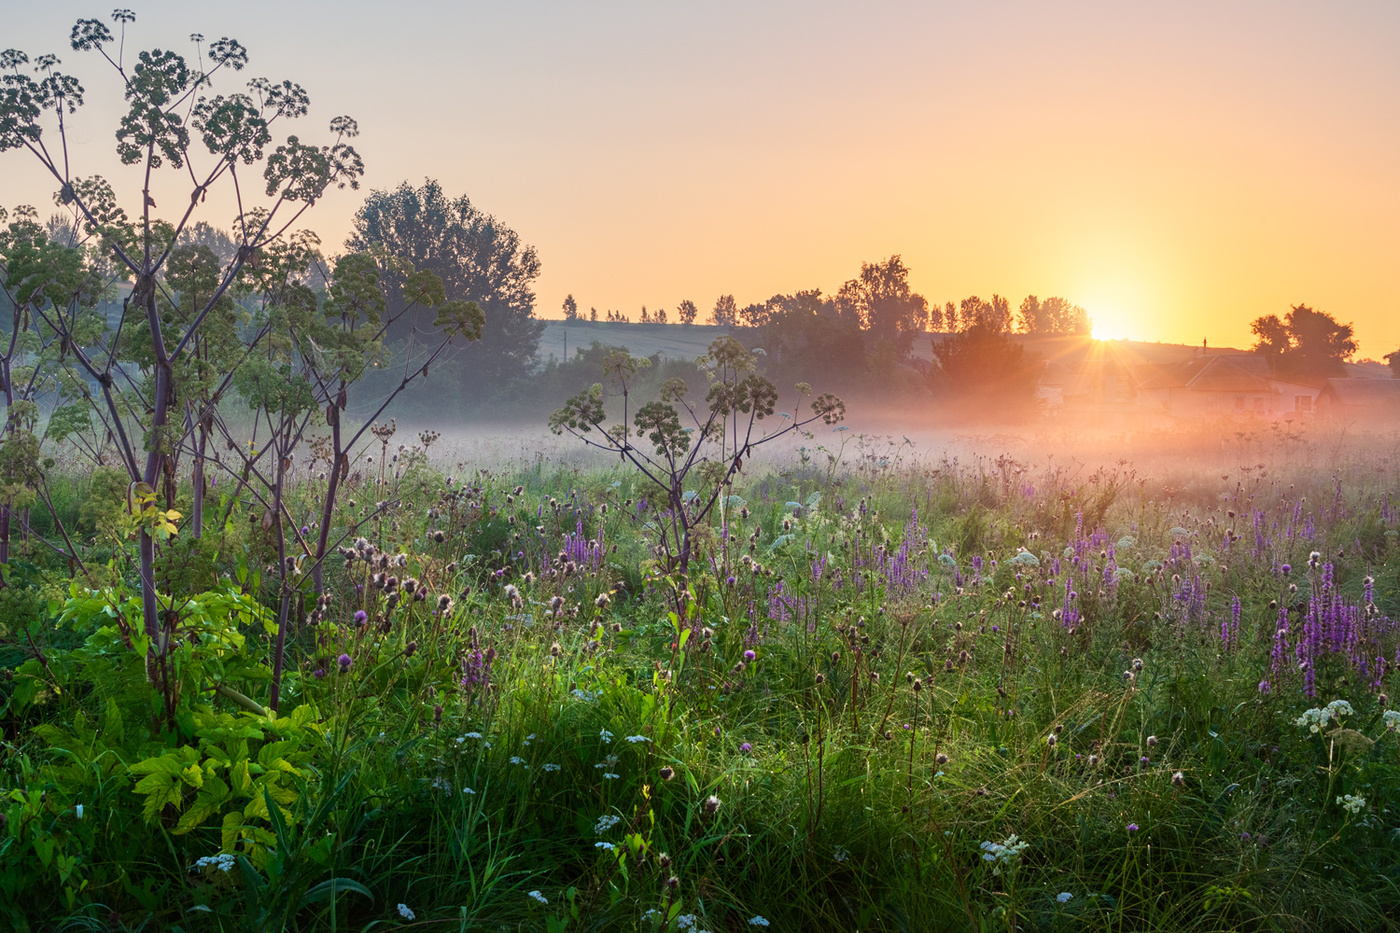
(895, 690)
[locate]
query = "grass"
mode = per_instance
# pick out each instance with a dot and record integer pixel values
(917, 691)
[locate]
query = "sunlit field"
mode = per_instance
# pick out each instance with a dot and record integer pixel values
(900, 688)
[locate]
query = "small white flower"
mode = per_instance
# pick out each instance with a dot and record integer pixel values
(406, 912)
(549, 767)
(609, 776)
(1392, 719)
(516, 760)
(472, 735)
(468, 790)
(758, 920)
(840, 854)
(539, 897)
(606, 736)
(606, 822)
(1064, 897)
(685, 921)
(605, 846)
(1351, 803)
(634, 739)
(78, 809)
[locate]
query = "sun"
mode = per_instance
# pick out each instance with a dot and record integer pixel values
(1109, 325)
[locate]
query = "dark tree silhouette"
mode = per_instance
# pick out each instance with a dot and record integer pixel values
(478, 258)
(982, 365)
(1306, 344)
(880, 298)
(726, 311)
(1393, 360)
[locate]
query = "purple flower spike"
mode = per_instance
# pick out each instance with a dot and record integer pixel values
(345, 661)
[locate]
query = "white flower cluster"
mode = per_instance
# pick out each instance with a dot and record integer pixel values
(606, 736)
(549, 767)
(223, 862)
(634, 739)
(606, 822)
(757, 920)
(1315, 719)
(1064, 897)
(1351, 804)
(1392, 719)
(539, 897)
(605, 846)
(587, 696)
(407, 912)
(442, 785)
(841, 854)
(1003, 854)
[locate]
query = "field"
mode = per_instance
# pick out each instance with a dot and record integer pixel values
(968, 684)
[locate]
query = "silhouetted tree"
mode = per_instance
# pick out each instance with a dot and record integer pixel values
(687, 311)
(726, 311)
(478, 259)
(571, 309)
(1393, 360)
(880, 298)
(994, 314)
(983, 364)
(1305, 344)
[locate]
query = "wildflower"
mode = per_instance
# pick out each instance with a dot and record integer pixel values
(610, 776)
(749, 655)
(1132, 827)
(1006, 853)
(1315, 719)
(605, 846)
(549, 767)
(757, 920)
(468, 790)
(345, 661)
(224, 862)
(634, 739)
(605, 822)
(361, 617)
(1351, 804)
(840, 854)
(711, 805)
(406, 912)
(1050, 740)
(606, 736)
(516, 760)
(1064, 897)
(1151, 741)
(538, 896)
(471, 735)
(78, 809)
(1179, 779)
(1392, 719)
(602, 601)
(745, 748)
(941, 758)
(667, 772)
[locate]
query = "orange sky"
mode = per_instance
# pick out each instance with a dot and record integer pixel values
(1179, 170)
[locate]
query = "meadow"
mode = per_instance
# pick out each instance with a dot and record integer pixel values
(901, 686)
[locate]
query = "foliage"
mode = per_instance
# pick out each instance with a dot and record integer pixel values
(478, 259)
(985, 368)
(1306, 344)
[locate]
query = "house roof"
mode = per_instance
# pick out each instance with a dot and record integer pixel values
(1237, 373)
(1363, 392)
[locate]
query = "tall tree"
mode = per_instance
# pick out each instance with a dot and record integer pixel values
(687, 311)
(726, 312)
(984, 365)
(1393, 360)
(1306, 344)
(880, 298)
(571, 309)
(477, 257)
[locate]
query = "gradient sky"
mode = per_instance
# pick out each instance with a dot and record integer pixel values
(1178, 169)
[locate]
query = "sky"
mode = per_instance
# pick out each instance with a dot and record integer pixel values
(1177, 169)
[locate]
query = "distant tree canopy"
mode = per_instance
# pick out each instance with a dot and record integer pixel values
(1393, 360)
(1306, 344)
(982, 364)
(478, 258)
(726, 312)
(1053, 316)
(687, 312)
(881, 300)
(571, 309)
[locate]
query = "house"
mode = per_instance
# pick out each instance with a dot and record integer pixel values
(1353, 398)
(1234, 385)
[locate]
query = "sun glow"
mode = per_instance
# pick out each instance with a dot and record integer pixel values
(1109, 325)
